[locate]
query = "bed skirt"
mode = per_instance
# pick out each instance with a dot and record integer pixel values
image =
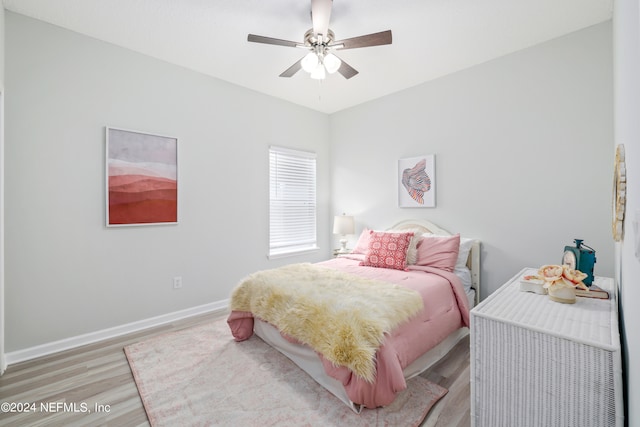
(308, 360)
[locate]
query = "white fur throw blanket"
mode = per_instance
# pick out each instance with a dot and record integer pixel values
(342, 316)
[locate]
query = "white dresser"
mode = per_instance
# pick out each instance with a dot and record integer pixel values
(536, 362)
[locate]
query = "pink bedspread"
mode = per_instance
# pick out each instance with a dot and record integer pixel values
(445, 310)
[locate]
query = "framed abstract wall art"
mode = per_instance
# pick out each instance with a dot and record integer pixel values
(142, 178)
(417, 182)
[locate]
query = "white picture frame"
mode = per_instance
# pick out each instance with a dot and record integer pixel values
(417, 182)
(141, 178)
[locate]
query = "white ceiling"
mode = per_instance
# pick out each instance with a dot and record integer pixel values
(431, 38)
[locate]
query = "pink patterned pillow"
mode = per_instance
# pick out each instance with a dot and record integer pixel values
(387, 250)
(439, 251)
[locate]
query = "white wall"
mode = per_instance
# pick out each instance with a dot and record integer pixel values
(2, 45)
(627, 132)
(523, 154)
(2, 352)
(66, 274)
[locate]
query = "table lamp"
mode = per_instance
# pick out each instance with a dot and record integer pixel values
(343, 225)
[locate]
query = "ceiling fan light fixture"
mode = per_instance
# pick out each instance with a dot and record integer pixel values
(332, 63)
(319, 41)
(318, 73)
(310, 62)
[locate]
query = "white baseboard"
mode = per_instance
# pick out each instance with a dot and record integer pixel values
(80, 340)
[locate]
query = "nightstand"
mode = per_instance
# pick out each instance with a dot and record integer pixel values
(536, 362)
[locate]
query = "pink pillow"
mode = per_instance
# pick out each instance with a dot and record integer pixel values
(439, 251)
(363, 242)
(387, 250)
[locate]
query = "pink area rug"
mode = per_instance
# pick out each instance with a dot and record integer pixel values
(201, 377)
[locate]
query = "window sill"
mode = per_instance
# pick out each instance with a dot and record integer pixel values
(278, 255)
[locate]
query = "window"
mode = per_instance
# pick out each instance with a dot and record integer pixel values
(292, 201)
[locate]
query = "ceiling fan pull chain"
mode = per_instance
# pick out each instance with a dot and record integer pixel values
(320, 90)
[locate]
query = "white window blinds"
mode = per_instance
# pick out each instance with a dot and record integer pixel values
(292, 201)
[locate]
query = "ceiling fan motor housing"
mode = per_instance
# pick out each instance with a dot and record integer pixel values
(311, 40)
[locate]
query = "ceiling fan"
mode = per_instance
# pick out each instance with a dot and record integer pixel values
(320, 41)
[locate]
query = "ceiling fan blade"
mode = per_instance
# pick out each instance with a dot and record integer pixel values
(375, 39)
(289, 72)
(320, 15)
(347, 70)
(271, 40)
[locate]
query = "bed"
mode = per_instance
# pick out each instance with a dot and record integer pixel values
(412, 339)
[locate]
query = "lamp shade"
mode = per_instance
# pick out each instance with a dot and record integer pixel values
(332, 63)
(343, 225)
(310, 62)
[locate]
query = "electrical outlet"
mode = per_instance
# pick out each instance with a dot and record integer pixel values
(177, 282)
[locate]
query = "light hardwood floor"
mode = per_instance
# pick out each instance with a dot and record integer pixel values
(96, 382)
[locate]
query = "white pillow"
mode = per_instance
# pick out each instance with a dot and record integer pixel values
(465, 277)
(463, 253)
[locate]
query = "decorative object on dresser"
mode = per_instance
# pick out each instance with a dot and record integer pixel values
(537, 363)
(533, 284)
(343, 225)
(417, 182)
(582, 258)
(594, 291)
(561, 282)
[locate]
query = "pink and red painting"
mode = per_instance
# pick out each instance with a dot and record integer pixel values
(142, 178)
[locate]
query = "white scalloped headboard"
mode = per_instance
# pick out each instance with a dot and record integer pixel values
(428, 227)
